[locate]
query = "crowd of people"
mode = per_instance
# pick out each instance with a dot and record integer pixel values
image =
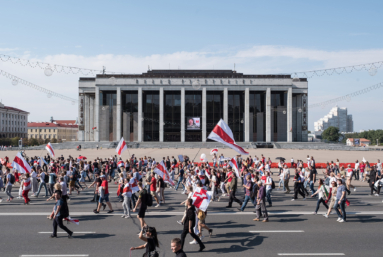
(139, 186)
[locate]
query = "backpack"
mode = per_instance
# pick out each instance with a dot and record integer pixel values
(64, 211)
(253, 193)
(12, 180)
(149, 199)
(272, 184)
(46, 178)
(75, 175)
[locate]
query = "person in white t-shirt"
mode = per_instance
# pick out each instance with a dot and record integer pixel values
(349, 177)
(190, 194)
(268, 184)
(379, 167)
(286, 178)
(356, 170)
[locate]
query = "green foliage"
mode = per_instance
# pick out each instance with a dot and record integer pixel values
(371, 135)
(33, 141)
(331, 134)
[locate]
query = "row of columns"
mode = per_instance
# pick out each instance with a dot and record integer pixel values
(204, 132)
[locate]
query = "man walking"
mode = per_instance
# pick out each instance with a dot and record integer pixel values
(340, 201)
(180, 178)
(233, 189)
(142, 197)
(8, 189)
(189, 225)
(286, 178)
(104, 195)
(248, 188)
(260, 204)
(59, 212)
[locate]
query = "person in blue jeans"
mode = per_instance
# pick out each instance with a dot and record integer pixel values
(180, 179)
(322, 195)
(248, 188)
(42, 183)
(340, 201)
(312, 179)
(268, 184)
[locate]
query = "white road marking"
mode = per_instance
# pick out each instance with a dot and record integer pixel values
(165, 213)
(277, 231)
(65, 232)
(54, 255)
(311, 254)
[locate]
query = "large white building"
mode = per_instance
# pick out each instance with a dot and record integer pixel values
(13, 122)
(185, 106)
(337, 117)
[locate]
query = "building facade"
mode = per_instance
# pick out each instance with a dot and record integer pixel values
(13, 122)
(49, 130)
(185, 105)
(337, 117)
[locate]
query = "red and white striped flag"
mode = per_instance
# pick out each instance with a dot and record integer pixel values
(120, 164)
(161, 170)
(201, 198)
(69, 219)
(50, 149)
(121, 146)
(223, 134)
(20, 164)
(133, 182)
(234, 165)
(213, 151)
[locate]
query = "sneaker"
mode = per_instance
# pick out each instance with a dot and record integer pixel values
(194, 242)
(338, 219)
(342, 220)
(265, 220)
(314, 213)
(304, 199)
(292, 199)
(70, 235)
(111, 211)
(123, 216)
(376, 195)
(179, 222)
(202, 237)
(158, 205)
(127, 216)
(326, 216)
(354, 189)
(256, 219)
(201, 249)
(210, 232)
(53, 236)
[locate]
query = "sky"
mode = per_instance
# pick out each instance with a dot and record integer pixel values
(260, 37)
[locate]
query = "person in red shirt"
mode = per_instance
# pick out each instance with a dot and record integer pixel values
(153, 189)
(104, 195)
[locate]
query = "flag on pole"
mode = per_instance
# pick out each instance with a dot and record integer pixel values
(234, 165)
(161, 170)
(20, 164)
(201, 198)
(121, 147)
(50, 149)
(223, 134)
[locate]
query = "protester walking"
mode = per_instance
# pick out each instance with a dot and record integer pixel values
(322, 195)
(189, 225)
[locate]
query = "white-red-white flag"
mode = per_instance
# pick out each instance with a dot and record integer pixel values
(50, 149)
(213, 151)
(234, 165)
(134, 183)
(201, 198)
(69, 219)
(161, 170)
(120, 164)
(223, 134)
(121, 146)
(20, 164)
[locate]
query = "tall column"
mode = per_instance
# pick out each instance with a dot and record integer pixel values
(97, 115)
(118, 113)
(91, 118)
(225, 106)
(161, 114)
(140, 122)
(204, 114)
(86, 118)
(183, 114)
(268, 115)
(247, 115)
(289, 114)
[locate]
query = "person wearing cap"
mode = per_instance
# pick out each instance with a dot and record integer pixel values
(104, 195)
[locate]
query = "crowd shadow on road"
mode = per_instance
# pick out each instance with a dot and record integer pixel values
(239, 244)
(287, 218)
(363, 219)
(93, 236)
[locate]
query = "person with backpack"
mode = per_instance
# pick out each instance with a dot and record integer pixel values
(10, 180)
(143, 197)
(44, 179)
(60, 211)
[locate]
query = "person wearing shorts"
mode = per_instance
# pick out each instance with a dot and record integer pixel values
(153, 188)
(143, 205)
(104, 195)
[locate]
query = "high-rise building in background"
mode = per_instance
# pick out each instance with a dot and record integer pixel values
(337, 117)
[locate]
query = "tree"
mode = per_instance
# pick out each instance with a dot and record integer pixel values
(331, 134)
(33, 141)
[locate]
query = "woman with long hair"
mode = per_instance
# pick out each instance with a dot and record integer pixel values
(151, 240)
(322, 195)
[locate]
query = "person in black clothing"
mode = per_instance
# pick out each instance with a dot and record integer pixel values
(151, 241)
(298, 188)
(373, 178)
(176, 248)
(189, 225)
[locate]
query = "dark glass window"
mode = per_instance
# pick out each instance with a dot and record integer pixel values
(108, 100)
(129, 115)
(193, 108)
(258, 112)
(236, 110)
(278, 107)
(172, 116)
(214, 110)
(151, 111)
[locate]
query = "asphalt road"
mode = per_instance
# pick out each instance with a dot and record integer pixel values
(292, 229)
